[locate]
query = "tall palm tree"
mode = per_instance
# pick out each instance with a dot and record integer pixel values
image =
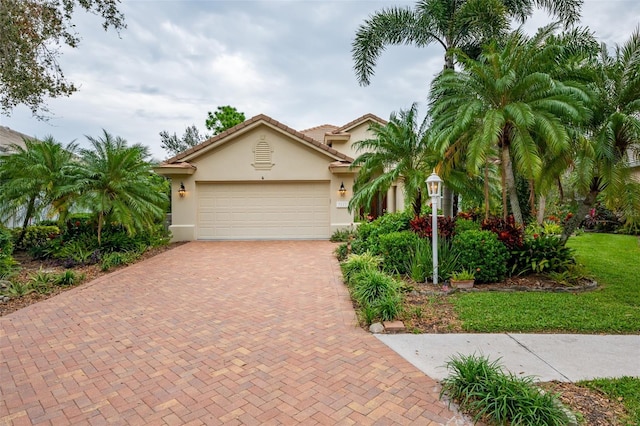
(453, 24)
(504, 104)
(400, 149)
(602, 162)
(37, 179)
(117, 185)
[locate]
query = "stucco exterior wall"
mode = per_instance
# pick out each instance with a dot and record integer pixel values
(291, 160)
(358, 133)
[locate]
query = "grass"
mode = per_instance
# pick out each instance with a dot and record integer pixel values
(626, 389)
(613, 308)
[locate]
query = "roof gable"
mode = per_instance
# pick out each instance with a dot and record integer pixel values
(248, 125)
(358, 121)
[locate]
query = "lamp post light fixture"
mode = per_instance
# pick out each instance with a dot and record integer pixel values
(342, 191)
(182, 191)
(434, 186)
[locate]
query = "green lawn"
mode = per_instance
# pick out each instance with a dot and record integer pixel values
(613, 260)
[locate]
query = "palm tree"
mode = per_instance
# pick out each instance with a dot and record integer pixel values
(505, 105)
(117, 185)
(400, 150)
(453, 24)
(37, 179)
(602, 162)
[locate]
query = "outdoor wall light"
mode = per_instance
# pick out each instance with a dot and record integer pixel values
(182, 190)
(342, 190)
(434, 185)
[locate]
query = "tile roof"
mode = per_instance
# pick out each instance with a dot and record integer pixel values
(246, 125)
(359, 120)
(318, 132)
(9, 136)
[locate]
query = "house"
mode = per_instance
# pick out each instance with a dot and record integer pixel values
(10, 137)
(264, 180)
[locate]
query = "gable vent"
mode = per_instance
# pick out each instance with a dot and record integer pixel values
(262, 155)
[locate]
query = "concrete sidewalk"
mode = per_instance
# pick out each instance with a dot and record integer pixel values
(562, 357)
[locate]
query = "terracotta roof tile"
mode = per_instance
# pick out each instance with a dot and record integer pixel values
(359, 120)
(264, 118)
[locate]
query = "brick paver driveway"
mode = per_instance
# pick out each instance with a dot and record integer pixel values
(209, 333)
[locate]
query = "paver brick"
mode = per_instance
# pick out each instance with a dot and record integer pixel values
(209, 333)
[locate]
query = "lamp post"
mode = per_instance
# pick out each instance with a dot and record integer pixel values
(434, 186)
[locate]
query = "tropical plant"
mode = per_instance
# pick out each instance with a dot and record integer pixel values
(396, 250)
(602, 160)
(484, 390)
(372, 286)
(464, 24)
(463, 275)
(399, 149)
(37, 179)
(546, 253)
(357, 263)
(508, 104)
(482, 252)
(117, 185)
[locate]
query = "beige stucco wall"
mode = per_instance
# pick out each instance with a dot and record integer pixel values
(233, 161)
(358, 133)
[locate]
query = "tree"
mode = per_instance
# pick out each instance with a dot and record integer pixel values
(507, 105)
(117, 186)
(38, 178)
(463, 24)
(224, 118)
(602, 160)
(189, 139)
(32, 31)
(400, 149)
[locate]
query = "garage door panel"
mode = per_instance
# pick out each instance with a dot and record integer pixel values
(265, 210)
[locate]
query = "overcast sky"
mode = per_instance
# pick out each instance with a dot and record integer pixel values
(290, 60)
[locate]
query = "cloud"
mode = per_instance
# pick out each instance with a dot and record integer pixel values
(288, 59)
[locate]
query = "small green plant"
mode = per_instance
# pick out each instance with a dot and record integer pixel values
(546, 253)
(341, 252)
(41, 281)
(389, 307)
(419, 259)
(367, 314)
(463, 225)
(342, 235)
(18, 289)
(551, 228)
(463, 275)
(68, 277)
(357, 263)
(484, 390)
(372, 286)
(112, 260)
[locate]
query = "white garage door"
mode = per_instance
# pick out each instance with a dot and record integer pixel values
(263, 210)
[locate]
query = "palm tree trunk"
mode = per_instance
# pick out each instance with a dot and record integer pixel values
(417, 204)
(583, 209)
(100, 220)
(486, 192)
(542, 205)
(27, 217)
(510, 182)
(447, 201)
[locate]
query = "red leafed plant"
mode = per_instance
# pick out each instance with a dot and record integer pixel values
(510, 233)
(421, 225)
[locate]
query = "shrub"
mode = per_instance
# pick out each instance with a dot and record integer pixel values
(396, 250)
(68, 277)
(7, 264)
(368, 233)
(341, 252)
(483, 252)
(462, 225)
(372, 286)
(342, 235)
(508, 231)
(41, 281)
(389, 307)
(114, 259)
(36, 236)
(422, 226)
(421, 260)
(480, 386)
(542, 254)
(357, 263)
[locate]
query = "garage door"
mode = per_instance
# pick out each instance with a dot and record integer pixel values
(263, 210)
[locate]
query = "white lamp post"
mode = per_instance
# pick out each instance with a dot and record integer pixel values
(434, 186)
